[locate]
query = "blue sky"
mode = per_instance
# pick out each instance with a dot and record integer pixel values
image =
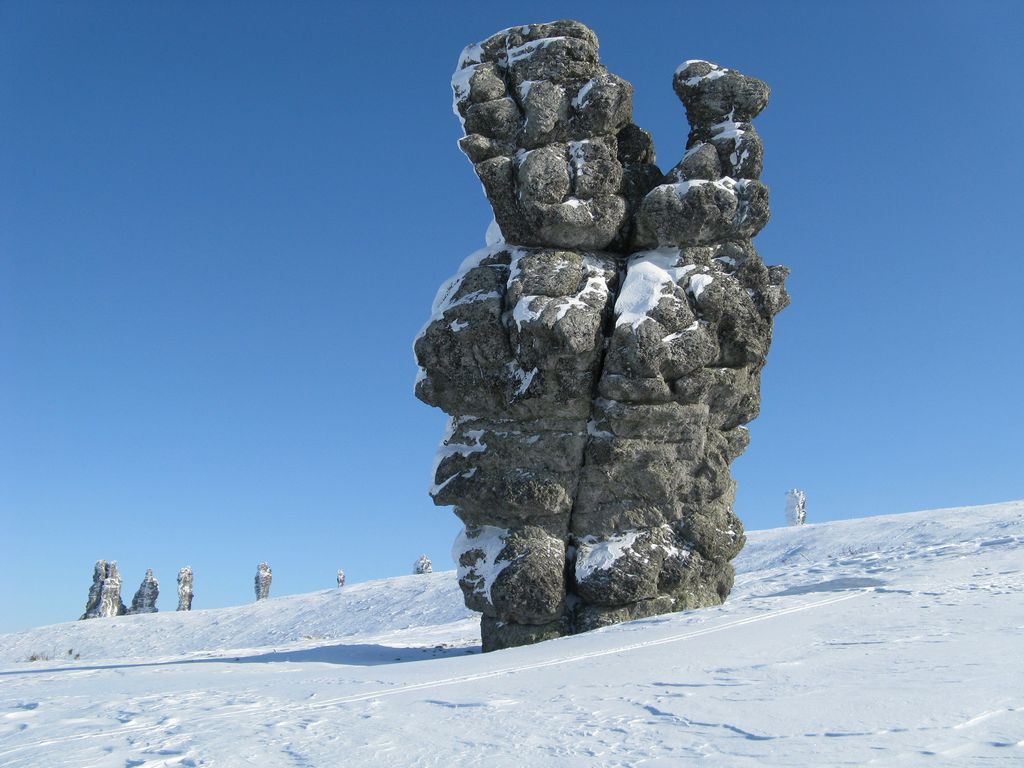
(222, 225)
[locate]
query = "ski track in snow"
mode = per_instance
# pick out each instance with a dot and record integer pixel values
(881, 641)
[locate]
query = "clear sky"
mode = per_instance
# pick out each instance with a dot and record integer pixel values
(222, 225)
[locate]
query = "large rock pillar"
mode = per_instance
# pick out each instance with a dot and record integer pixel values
(600, 355)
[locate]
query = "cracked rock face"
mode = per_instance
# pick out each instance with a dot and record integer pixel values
(105, 592)
(146, 595)
(600, 356)
(264, 577)
(185, 588)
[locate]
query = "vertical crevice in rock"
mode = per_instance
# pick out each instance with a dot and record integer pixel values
(105, 593)
(185, 593)
(146, 595)
(599, 357)
(262, 581)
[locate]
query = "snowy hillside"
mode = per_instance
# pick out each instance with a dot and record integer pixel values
(890, 640)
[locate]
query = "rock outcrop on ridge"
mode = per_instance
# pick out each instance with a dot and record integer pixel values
(600, 356)
(264, 577)
(185, 589)
(105, 592)
(146, 595)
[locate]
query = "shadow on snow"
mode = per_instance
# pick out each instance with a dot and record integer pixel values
(360, 655)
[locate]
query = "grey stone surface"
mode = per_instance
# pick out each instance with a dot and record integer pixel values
(105, 593)
(600, 358)
(796, 507)
(264, 577)
(185, 589)
(145, 597)
(542, 119)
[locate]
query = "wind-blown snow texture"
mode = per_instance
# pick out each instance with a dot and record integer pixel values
(600, 356)
(890, 640)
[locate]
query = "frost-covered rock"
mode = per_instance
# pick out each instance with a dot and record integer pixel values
(185, 588)
(517, 574)
(422, 565)
(105, 592)
(263, 579)
(600, 356)
(341, 578)
(796, 507)
(543, 120)
(145, 597)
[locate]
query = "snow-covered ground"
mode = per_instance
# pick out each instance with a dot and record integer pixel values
(892, 640)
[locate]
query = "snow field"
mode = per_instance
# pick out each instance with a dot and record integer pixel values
(880, 641)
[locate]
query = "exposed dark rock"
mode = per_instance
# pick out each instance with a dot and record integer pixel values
(262, 581)
(796, 507)
(105, 592)
(146, 595)
(600, 356)
(185, 588)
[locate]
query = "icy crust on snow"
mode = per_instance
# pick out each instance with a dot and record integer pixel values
(471, 54)
(650, 277)
(593, 554)
(487, 541)
(698, 283)
(726, 183)
(727, 129)
(583, 95)
(576, 157)
(526, 50)
(493, 237)
(445, 298)
(525, 378)
(715, 73)
(461, 86)
(474, 53)
(449, 448)
(531, 307)
(731, 129)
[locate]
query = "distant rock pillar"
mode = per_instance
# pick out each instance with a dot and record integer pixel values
(105, 592)
(146, 595)
(263, 579)
(185, 588)
(796, 507)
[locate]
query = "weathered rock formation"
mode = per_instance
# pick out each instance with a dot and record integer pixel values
(600, 356)
(796, 507)
(146, 595)
(263, 579)
(105, 592)
(185, 588)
